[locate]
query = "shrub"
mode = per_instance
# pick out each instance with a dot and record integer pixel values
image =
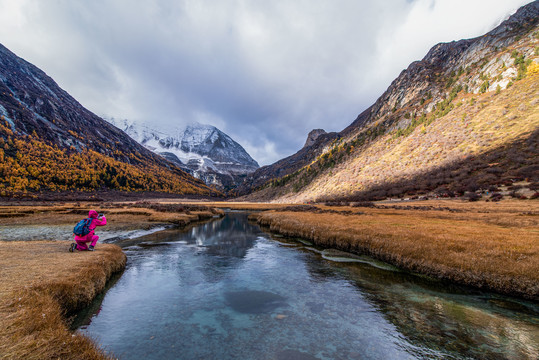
(472, 187)
(368, 204)
(534, 67)
(473, 196)
(528, 171)
(484, 87)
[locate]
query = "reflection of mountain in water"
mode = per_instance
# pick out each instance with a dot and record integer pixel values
(230, 236)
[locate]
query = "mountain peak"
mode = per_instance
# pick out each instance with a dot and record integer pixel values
(201, 149)
(313, 135)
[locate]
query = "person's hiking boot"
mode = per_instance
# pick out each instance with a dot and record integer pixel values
(72, 247)
(91, 248)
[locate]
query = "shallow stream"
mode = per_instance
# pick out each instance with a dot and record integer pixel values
(228, 290)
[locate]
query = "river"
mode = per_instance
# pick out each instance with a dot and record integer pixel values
(228, 290)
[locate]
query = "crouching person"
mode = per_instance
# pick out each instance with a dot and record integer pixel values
(81, 241)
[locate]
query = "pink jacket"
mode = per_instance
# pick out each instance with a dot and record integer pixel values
(95, 222)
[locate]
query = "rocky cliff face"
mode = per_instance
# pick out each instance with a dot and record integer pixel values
(202, 150)
(43, 127)
(468, 100)
(314, 146)
(474, 66)
(313, 135)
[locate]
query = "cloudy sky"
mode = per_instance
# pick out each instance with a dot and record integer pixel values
(264, 72)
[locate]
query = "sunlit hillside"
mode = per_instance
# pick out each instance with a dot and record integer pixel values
(464, 119)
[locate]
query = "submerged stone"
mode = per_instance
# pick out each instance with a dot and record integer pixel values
(254, 301)
(315, 307)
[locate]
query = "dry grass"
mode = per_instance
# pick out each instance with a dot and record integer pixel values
(497, 250)
(42, 283)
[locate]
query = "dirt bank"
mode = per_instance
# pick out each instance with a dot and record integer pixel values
(486, 246)
(42, 285)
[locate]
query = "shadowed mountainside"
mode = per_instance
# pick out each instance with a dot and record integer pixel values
(50, 142)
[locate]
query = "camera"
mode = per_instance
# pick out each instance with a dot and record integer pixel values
(101, 215)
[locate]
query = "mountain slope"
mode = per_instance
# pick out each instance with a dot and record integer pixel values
(49, 142)
(464, 117)
(316, 143)
(202, 150)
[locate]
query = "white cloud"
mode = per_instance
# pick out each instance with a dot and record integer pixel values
(266, 73)
(262, 150)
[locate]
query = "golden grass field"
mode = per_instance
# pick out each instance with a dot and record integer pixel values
(42, 283)
(492, 246)
(120, 216)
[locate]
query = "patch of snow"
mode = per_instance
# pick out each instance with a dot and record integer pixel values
(43, 86)
(3, 112)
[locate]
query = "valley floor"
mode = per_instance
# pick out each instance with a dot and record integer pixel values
(487, 245)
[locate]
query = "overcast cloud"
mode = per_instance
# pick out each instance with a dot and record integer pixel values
(264, 72)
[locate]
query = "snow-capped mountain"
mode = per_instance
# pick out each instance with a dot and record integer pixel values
(203, 150)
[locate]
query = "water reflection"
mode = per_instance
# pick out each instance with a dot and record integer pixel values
(226, 290)
(229, 236)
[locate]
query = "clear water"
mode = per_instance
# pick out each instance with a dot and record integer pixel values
(227, 290)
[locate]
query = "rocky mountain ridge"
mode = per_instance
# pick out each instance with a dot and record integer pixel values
(468, 101)
(204, 151)
(314, 146)
(313, 135)
(475, 65)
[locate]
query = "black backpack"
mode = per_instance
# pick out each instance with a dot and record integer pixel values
(83, 227)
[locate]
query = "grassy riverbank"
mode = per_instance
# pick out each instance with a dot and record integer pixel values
(492, 246)
(42, 284)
